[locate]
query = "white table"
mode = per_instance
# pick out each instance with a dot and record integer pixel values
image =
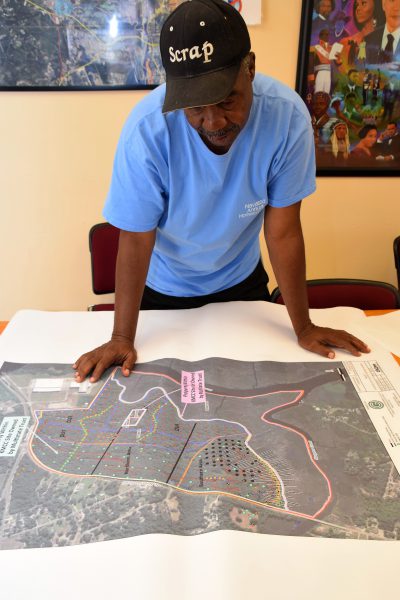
(220, 565)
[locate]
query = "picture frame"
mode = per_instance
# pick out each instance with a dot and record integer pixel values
(348, 75)
(62, 45)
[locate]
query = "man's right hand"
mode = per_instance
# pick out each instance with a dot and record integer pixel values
(134, 252)
(114, 352)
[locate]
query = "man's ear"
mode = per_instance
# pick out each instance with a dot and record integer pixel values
(252, 65)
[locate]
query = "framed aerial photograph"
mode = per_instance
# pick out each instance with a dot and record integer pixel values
(87, 44)
(81, 44)
(348, 74)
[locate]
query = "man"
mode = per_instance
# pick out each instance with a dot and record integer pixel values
(352, 109)
(322, 64)
(390, 95)
(366, 84)
(334, 149)
(323, 10)
(320, 116)
(201, 164)
(351, 84)
(339, 139)
(382, 45)
(388, 145)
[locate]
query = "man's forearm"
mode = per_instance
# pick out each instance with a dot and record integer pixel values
(284, 238)
(286, 249)
(133, 259)
(288, 263)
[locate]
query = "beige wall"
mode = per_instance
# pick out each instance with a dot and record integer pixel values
(56, 152)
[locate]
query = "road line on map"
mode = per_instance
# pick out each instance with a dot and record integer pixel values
(178, 459)
(45, 443)
(105, 451)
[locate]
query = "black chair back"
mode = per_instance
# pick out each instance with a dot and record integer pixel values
(396, 250)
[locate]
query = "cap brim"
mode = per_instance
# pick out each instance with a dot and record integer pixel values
(203, 90)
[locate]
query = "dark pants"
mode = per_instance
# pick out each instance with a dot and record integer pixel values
(254, 287)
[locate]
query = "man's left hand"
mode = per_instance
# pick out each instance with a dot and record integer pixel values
(321, 340)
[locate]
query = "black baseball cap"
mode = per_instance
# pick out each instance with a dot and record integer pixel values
(202, 45)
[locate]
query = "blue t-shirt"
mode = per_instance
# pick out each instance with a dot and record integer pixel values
(208, 208)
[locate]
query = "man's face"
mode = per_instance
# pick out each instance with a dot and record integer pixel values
(325, 8)
(219, 124)
(324, 35)
(392, 12)
(320, 105)
(353, 77)
(390, 130)
(350, 102)
(341, 131)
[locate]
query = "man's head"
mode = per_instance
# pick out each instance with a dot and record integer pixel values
(203, 43)
(321, 103)
(219, 124)
(391, 8)
(339, 137)
(324, 35)
(391, 129)
(325, 7)
(350, 100)
(340, 130)
(353, 76)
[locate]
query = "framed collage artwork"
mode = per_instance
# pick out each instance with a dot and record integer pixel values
(348, 75)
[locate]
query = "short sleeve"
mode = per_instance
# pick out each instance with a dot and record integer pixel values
(136, 198)
(292, 173)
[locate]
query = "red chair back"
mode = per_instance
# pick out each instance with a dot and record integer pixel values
(358, 293)
(103, 246)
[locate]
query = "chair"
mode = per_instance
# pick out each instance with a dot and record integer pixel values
(358, 293)
(103, 246)
(396, 250)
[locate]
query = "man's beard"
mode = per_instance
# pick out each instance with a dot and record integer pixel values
(220, 133)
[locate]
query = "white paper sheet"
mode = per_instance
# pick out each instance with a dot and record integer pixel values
(386, 329)
(220, 565)
(240, 330)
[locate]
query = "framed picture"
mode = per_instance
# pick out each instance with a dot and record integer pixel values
(348, 74)
(81, 44)
(87, 44)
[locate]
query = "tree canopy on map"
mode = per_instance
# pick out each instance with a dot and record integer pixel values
(81, 43)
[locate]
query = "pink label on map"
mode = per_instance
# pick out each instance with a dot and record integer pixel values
(192, 387)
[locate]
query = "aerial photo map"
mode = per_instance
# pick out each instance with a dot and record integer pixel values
(81, 43)
(187, 448)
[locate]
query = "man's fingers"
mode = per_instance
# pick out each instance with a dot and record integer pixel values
(319, 348)
(87, 362)
(360, 345)
(99, 359)
(99, 369)
(128, 364)
(321, 340)
(346, 341)
(343, 342)
(83, 367)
